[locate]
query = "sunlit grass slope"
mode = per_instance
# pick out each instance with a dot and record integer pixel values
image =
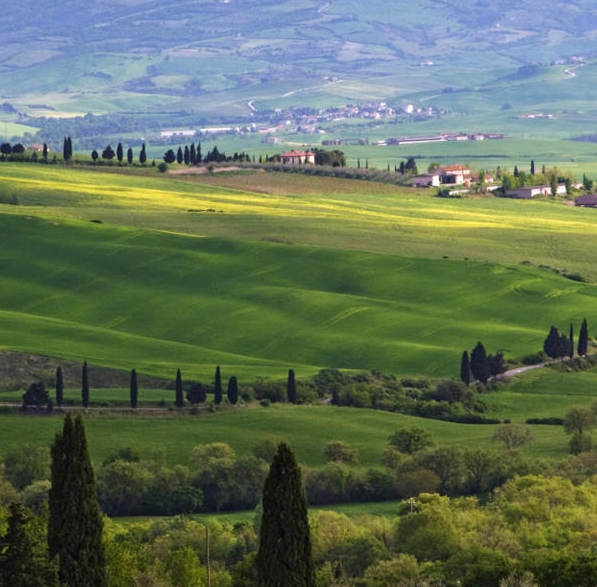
(156, 301)
(316, 211)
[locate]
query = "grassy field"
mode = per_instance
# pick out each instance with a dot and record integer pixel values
(260, 273)
(347, 275)
(306, 428)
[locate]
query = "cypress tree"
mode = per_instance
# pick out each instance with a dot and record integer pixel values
(571, 342)
(23, 559)
(479, 364)
(179, 399)
(284, 558)
(119, 152)
(179, 156)
(45, 151)
(192, 155)
(532, 167)
(583, 339)
(85, 386)
(59, 387)
(232, 391)
(465, 369)
(291, 388)
(129, 156)
(218, 386)
(75, 520)
(187, 155)
(142, 155)
(134, 389)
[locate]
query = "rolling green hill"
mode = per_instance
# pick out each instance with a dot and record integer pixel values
(364, 281)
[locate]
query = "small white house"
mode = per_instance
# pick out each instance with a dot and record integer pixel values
(529, 192)
(426, 180)
(297, 158)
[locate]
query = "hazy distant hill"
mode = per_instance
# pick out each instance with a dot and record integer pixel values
(209, 58)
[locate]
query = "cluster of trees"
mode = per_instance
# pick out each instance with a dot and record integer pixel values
(532, 532)
(519, 178)
(480, 365)
(559, 345)
(108, 154)
(196, 393)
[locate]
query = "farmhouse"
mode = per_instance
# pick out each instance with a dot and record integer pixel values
(586, 201)
(526, 193)
(297, 158)
(426, 180)
(449, 175)
(455, 175)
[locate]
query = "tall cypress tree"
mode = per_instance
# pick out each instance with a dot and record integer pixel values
(129, 155)
(218, 386)
(479, 364)
(232, 391)
(142, 155)
(583, 339)
(291, 388)
(119, 152)
(571, 342)
(85, 386)
(75, 520)
(284, 558)
(179, 398)
(134, 389)
(59, 387)
(23, 557)
(465, 369)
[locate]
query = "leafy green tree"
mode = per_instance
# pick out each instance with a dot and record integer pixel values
(284, 557)
(583, 339)
(496, 364)
(465, 369)
(36, 395)
(339, 451)
(512, 435)
(232, 391)
(578, 420)
(197, 393)
(23, 559)
(75, 521)
(59, 387)
(5, 148)
(108, 153)
(479, 364)
(411, 166)
(480, 466)
(25, 464)
(556, 345)
(85, 385)
(411, 440)
(179, 399)
(587, 183)
(134, 389)
(169, 156)
(291, 387)
(218, 386)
